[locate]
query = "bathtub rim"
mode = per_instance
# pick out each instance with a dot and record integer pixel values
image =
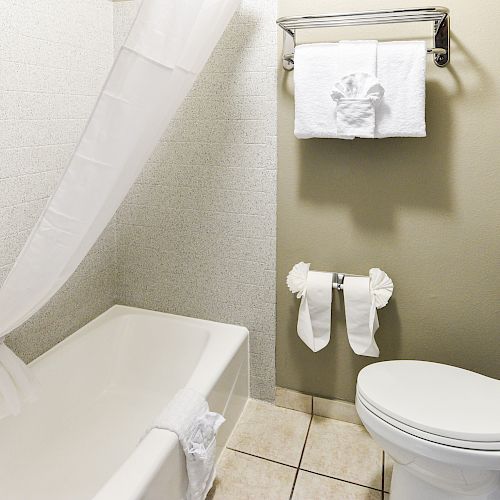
(117, 310)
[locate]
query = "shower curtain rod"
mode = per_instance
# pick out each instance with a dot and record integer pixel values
(440, 16)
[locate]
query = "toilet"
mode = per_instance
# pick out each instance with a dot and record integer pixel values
(440, 424)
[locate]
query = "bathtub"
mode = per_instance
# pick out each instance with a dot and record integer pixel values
(100, 389)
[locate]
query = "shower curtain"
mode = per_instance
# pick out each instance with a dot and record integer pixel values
(167, 47)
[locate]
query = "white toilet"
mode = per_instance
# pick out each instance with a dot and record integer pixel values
(441, 425)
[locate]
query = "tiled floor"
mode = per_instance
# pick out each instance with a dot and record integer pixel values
(281, 454)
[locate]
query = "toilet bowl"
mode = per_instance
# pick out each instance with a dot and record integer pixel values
(440, 424)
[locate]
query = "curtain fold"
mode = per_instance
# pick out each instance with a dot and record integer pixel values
(169, 43)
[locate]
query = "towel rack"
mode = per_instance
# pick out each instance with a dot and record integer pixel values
(440, 16)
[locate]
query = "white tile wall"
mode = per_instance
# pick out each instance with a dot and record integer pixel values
(53, 58)
(196, 235)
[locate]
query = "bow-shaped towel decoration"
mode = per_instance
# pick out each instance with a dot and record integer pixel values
(315, 291)
(358, 86)
(356, 96)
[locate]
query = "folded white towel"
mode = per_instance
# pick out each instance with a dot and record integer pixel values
(315, 290)
(399, 68)
(363, 295)
(357, 96)
(315, 72)
(358, 91)
(188, 416)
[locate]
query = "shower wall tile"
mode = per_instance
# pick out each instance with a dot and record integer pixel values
(196, 234)
(54, 58)
(17, 162)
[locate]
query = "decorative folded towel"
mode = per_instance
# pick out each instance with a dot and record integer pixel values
(315, 290)
(356, 96)
(363, 295)
(358, 91)
(188, 416)
(401, 68)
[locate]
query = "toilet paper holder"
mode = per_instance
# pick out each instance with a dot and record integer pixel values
(363, 295)
(297, 280)
(338, 281)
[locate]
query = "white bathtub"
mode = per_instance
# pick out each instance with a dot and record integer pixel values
(100, 390)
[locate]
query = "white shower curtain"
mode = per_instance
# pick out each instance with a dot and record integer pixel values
(167, 47)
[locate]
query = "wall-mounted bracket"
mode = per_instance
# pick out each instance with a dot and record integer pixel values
(440, 16)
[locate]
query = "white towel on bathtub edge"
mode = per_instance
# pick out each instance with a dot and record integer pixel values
(188, 416)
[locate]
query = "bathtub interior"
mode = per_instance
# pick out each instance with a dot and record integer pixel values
(100, 390)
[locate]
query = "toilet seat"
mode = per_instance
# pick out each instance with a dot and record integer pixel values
(439, 403)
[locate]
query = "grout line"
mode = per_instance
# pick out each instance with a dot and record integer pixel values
(301, 456)
(343, 480)
(383, 475)
(257, 456)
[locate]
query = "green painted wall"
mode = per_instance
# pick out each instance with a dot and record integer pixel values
(427, 211)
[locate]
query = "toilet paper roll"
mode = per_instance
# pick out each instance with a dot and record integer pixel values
(361, 317)
(315, 311)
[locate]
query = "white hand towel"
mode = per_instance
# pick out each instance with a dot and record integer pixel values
(363, 295)
(318, 67)
(315, 290)
(401, 70)
(188, 416)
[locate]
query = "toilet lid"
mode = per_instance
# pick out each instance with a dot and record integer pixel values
(435, 398)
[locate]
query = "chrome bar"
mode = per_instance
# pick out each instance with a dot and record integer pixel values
(439, 15)
(338, 281)
(380, 16)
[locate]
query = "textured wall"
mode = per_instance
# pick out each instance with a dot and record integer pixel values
(426, 211)
(196, 236)
(53, 59)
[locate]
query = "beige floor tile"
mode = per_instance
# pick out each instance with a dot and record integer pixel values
(271, 432)
(344, 451)
(388, 465)
(313, 487)
(243, 477)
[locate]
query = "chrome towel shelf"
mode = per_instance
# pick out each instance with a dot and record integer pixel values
(440, 16)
